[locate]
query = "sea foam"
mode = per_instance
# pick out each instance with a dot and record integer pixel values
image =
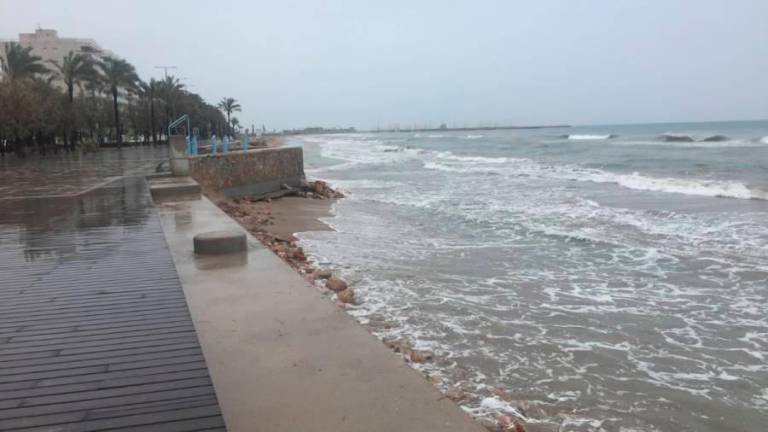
(584, 137)
(447, 161)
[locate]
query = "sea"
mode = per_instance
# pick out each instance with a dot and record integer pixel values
(605, 278)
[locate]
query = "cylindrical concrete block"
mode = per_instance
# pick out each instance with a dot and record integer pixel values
(220, 242)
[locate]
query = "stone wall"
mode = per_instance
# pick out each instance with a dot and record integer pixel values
(252, 172)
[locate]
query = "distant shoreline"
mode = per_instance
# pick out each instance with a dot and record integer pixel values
(466, 129)
(321, 131)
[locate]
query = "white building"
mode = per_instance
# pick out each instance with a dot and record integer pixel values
(47, 44)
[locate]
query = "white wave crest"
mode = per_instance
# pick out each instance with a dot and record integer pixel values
(516, 166)
(583, 137)
(353, 153)
(726, 189)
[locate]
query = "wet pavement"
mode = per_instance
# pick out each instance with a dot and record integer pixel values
(95, 332)
(67, 174)
(283, 357)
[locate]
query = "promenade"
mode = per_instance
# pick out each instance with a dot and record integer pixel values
(95, 332)
(108, 321)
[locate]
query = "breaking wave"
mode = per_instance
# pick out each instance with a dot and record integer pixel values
(582, 137)
(529, 168)
(517, 278)
(686, 138)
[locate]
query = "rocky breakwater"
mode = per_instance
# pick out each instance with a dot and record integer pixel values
(258, 220)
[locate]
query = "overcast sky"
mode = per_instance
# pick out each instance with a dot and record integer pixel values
(369, 63)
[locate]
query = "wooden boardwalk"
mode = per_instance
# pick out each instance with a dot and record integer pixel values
(95, 332)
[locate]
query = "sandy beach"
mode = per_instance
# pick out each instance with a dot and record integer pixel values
(292, 215)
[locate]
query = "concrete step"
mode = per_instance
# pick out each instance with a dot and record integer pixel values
(174, 188)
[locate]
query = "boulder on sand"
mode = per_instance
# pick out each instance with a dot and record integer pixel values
(298, 254)
(323, 274)
(335, 284)
(319, 187)
(346, 295)
(419, 356)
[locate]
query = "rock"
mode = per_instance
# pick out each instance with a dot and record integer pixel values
(419, 356)
(509, 423)
(436, 378)
(455, 394)
(391, 343)
(487, 423)
(502, 394)
(323, 274)
(518, 426)
(298, 254)
(346, 295)
(380, 324)
(543, 426)
(319, 187)
(335, 284)
(396, 345)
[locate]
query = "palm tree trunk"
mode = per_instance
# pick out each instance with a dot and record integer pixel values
(152, 115)
(117, 118)
(67, 131)
(229, 124)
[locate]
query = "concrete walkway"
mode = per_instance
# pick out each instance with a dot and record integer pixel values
(282, 356)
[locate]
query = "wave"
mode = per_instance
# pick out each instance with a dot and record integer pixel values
(686, 138)
(715, 138)
(721, 189)
(449, 162)
(582, 137)
(764, 140)
(355, 155)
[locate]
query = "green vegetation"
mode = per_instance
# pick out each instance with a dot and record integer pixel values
(90, 100)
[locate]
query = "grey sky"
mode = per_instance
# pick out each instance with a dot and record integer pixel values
(363, 63)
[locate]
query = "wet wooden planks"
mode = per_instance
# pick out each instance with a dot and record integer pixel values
(95, 333)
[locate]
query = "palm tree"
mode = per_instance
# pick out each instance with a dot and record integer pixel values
(74, 69)
(168, 90)
(148, 90)
(118, 74)
(229, 105)
(235, 123)
(19, 63)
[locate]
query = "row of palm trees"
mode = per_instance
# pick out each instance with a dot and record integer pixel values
(33, 110)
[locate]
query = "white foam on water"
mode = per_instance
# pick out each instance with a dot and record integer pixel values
(561, 265)
(713, 188)
(492, 406)
(636, 181)
(591, 137)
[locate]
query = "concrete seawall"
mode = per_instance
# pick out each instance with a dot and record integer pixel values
(251, 172)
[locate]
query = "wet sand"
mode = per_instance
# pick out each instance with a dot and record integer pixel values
(291, 215)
